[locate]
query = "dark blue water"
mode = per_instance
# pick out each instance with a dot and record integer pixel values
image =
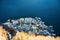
(48, 10)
